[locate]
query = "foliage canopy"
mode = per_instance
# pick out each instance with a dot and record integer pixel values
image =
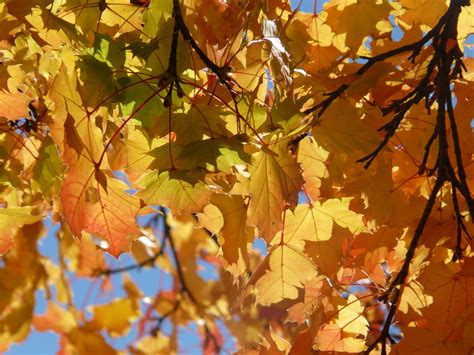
(179, 132)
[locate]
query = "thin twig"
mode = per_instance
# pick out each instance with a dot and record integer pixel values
(140, 265)
(184, 286)
(448, 66)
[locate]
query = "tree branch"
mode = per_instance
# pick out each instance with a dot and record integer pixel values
(446, 61)
(184, 287)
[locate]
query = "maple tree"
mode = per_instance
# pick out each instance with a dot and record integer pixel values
(179, 132)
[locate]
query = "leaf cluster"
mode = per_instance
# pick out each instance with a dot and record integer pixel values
(167, 137)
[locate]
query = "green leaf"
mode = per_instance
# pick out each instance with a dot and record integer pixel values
(211, 154)
(177, 190)
(97, 79)
(108, 51)
(48, 169)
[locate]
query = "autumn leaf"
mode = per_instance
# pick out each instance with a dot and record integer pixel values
(48, 170)
(14, 106)
(113, 216)
(114, 317)
(274, 185)
(349, 319)
(11, 218)
(312, 160)
(227, 216)
(108, 213)
(356, 28)
(315, 222)
(289, 267)
(75, 193)
(56, 319)
(176, 190)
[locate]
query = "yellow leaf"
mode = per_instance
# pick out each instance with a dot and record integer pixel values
(315, 222)
(138, 150)
(86, 341)
(274, 185)
(289, 268)
(312, 159)
(10, 220)
(423, 12)
(351, 317)
(331, 338)
(357, 28)
(341, 130)
(231, 220)
(465, 24)
(176, 190)
(211, 218)
(90, 258)
(114, 317)
(281, 343)
(414, 296)
(158, 344)
(347, 332)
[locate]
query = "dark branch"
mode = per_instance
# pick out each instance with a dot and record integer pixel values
(163, 317)
(415, 48)
(149, 261)
(184, 287)
(447, 64)
(221, 72)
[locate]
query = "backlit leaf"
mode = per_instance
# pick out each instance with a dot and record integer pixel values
(315, 222)
(11, 218)
(176, 190)
(13, 106)
(274, 185)
(114, 317)
(289, 267)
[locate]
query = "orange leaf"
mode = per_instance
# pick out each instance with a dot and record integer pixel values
(112, 217)
(14, 106)
(56, 319)
(108, 214)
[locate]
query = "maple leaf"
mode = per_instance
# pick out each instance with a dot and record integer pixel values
(49, 168)
(56, 319)
(113, 216)
(335, 335)
(289, 267)
(273, 183)
(114, 317)
(356, 28)
(100, 208)
(14, 106)
(11, 219)
(227, 215)
(180, 192)
(312, 160)
(315, 222)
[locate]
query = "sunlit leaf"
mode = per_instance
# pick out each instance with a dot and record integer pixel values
(176, 190)
(11, 218)
(289, 267)
(114, 317)
(274, 185)
(13, 106)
